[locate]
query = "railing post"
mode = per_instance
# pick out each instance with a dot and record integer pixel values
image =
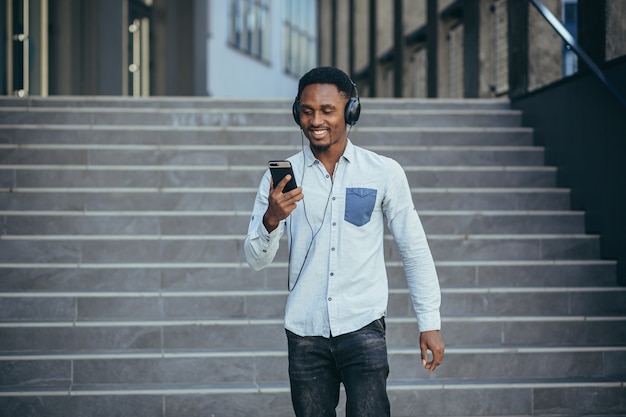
(567, 37)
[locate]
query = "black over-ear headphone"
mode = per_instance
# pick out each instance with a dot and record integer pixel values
(351, 112)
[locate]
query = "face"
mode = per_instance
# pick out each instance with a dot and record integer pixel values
(322, 117)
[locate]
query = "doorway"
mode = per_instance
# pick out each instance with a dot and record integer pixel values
(25, 47)
(139, 12)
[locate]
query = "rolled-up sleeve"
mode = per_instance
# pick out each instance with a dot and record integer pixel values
(261, 246)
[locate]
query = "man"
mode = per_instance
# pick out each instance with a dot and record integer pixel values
(334, 318)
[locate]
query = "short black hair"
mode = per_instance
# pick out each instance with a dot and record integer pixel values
(327, 75)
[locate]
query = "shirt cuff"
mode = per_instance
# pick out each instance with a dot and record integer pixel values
(269, 236)
(429, 321)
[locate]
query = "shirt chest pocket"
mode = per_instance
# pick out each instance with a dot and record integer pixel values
(359, 205)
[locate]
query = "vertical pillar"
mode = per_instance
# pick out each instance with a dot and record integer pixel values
(471, 48)
(351, 39)
(518, 47)
(4, 43)
(200, 45)
(333, 31)
(398, 48)
(319, 32)
(373, 62)
(432, 35)
(112, 61)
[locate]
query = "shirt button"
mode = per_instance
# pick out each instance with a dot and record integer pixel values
(334, 198)
(332, 274)
(332, 249)
(327, 176)
(334, 223)
(330, 298)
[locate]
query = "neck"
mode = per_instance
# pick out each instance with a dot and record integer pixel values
(329, 156)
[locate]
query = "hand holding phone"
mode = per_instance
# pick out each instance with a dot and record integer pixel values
(279, 169)
(279, 205)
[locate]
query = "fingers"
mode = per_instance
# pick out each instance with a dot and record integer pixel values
(431, 341)
(280, 187)
(424, 354)
(437, 360)
(287, 201)
(280, 205)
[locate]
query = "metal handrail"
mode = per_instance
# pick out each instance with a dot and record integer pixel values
(569, 39)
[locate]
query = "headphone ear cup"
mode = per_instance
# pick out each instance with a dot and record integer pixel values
(295, 111)
(353, 111)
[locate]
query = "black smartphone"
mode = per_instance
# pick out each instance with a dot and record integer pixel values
(279, 169)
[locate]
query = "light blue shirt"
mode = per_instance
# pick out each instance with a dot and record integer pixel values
(337, 276)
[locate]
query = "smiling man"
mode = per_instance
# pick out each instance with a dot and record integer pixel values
(338, 290)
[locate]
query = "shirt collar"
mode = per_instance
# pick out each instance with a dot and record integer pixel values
(348, 154)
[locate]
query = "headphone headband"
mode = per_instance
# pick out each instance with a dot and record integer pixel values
(351, 112)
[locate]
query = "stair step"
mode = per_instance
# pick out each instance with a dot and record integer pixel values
(207, 305)
(107, 102)
(43, 223)
(235, 155)
(221, 199)
(72, 176)
(268, 333)
(251, 116)
(275, 135)
(531, 397)
(227, 248)
(245, 367)
(237, 276)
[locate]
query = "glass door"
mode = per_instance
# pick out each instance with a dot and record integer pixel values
(139, 47)
(26, 48)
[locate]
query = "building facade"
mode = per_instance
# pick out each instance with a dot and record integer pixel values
(464, 48)
(220, 48)
(392, 48)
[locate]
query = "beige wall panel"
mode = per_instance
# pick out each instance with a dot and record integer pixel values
(493, 48)
(417, 74)
(444, 55)
(325, 33)
(544, 48)
(445, 3)
(343, 35)
(361, 41)
(414, 12)
(384, 30)
(615, 29)
(485, 48)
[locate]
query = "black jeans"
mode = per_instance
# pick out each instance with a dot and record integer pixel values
(317, 366)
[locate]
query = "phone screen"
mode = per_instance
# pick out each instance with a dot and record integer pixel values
(279, 169)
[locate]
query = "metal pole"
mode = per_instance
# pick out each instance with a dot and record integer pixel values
(567, 37)
(9, 18)
(26, 46)
(44, 48)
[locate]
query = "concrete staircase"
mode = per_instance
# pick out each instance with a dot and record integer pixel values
(124, 290)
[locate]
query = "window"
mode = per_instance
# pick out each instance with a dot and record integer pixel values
(249, 27)
(299, 37)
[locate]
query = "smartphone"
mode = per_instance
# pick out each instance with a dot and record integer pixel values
(279, 169)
